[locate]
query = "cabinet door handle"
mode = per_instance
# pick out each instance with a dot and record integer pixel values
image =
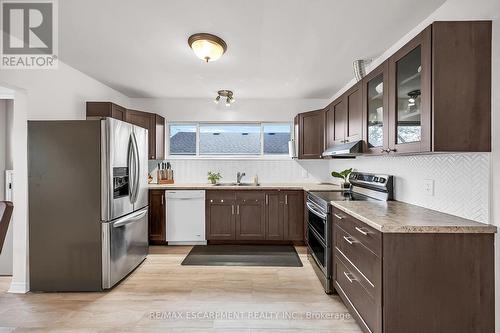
(232, 209)
(267, 199)
(392, 150)
(349, 240)
(238, 210)
(286, 199)
(361, 231)
(384, 151)
(162, 199)
(348, 276)
(338, 216)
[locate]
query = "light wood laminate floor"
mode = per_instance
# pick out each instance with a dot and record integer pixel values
(207, 298)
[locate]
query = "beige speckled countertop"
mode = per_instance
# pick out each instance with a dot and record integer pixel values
(263, 186)
(400, 217)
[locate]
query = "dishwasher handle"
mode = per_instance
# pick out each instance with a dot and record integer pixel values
(185, 195)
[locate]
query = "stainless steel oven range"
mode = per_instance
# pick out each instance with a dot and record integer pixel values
(364, 187)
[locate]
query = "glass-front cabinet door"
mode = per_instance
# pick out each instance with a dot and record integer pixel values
(409, 96)
(376, 111)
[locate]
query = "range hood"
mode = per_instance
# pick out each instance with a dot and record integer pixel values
(345, 150)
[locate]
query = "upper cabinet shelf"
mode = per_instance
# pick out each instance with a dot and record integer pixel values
(432, 95)
(154, 123)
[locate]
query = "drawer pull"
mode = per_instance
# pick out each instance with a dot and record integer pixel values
(361, 231)
(349, 240)
(338, 216)
(349, 278)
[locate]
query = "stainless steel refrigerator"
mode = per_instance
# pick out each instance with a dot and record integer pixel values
(88, 203)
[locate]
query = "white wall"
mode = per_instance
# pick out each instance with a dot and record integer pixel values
(204, 109)
(42, 94)
(61, 93)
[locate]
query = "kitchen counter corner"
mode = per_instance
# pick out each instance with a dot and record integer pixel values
(400, 217)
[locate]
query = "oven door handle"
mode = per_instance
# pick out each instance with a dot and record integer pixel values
(315, 211)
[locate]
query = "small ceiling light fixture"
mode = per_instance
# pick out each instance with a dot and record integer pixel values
(207, 47)
(228, 94)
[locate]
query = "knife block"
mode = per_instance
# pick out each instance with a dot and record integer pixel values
(165, 176)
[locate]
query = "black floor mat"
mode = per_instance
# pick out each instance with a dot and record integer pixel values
(243, 255)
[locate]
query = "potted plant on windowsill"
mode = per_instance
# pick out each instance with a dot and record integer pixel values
(214, 177)
(344, 175)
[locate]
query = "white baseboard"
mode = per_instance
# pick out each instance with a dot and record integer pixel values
(18, 288)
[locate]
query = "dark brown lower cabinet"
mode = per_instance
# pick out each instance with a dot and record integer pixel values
(247, 215)
(293, 215)
(250, 215)
(418, 282)
(220, 215)
(274, 216)
(157, 219)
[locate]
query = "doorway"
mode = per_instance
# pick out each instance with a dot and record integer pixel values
(6, 166)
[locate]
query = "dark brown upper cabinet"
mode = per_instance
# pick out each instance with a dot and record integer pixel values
(311, 134)
(354, 114)
(376, 110)
(155, 124)
(138, 118)
(97, 110)
(336, 119)
(410, 96)
(157, 137)
(440, 90)
(344, 118)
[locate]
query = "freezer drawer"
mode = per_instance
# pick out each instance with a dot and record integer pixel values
(125, 246)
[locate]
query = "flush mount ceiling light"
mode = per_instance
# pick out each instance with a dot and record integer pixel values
(207, 47)
(227, 94)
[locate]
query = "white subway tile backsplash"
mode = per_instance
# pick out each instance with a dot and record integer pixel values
(268, 171)
(461, 181)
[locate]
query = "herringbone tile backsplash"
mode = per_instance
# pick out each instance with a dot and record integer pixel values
(461, 180)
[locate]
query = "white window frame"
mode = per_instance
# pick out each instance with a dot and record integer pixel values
(261, 156)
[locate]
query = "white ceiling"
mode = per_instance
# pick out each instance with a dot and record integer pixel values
(276, 48)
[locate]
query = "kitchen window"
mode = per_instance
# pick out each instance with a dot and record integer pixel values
(229, 139)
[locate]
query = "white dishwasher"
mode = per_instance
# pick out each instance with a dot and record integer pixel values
(186, 217)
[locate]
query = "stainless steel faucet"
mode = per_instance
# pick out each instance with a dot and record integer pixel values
(239, 175)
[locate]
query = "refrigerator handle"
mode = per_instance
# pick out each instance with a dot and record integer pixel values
(137, 167)
(131, 168)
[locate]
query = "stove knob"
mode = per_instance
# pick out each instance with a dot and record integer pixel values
(381, 180)
(375, 179)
